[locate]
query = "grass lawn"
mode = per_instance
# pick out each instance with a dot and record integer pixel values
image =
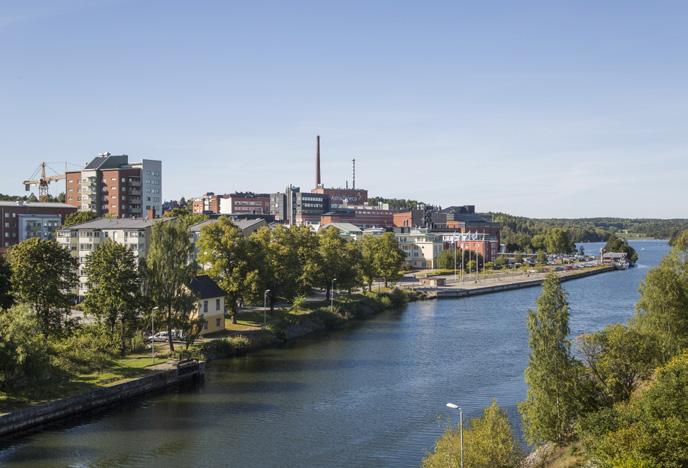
(120, 370)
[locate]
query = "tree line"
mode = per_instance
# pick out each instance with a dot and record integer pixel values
(289, 262)
(621, 395)
(38, 280)
(523, 234)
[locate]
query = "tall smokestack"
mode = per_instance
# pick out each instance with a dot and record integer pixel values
(353, 168)
(317, 163)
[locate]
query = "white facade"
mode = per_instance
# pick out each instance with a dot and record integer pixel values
(83, 239)
(421, 247)
(225, 205)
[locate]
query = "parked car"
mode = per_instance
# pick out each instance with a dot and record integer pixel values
(160, 336)
(177, 334)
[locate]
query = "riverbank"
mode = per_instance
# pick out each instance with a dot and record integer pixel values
(284, 326)
(164, 376)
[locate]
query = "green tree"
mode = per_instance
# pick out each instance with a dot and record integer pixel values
(305, 241)
(334, 261)
(445, 259)
(278, 263)
(167, 275)
(78, 217)
(114, 290)
(616, 244)
(389, 258)
(44, 276)
(650, 430)
(679, 239)
(226, 256)
(6, 298)
(368, 248)
(489, 442)
(23, 352)
(558, 241)
(619, 358)
(541, 257)
(554, 395)
(663, 305)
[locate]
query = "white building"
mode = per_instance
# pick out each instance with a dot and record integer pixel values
(420, 246)
(82, 239)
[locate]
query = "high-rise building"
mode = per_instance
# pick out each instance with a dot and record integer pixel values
(297, 207)
(110, 185)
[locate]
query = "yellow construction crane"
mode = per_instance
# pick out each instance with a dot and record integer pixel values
(42, 180)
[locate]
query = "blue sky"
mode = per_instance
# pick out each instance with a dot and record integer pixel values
(549, 109)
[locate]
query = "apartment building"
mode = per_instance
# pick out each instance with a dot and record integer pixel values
(82, 239)
(111, 186)
(20, 220)
(422, 247)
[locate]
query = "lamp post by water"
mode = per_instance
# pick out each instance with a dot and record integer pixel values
(453, 406)
(153, 334)
(265, 307)
(332, 295)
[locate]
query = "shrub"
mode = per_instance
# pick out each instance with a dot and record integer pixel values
(23, 355)
(87, 349)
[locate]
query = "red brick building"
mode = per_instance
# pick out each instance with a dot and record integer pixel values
(245, 203)
(360, 217)
(343, 196)
(23, 220)
(411, 218)
(111, 186)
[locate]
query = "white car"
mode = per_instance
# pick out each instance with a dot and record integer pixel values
(160, 336)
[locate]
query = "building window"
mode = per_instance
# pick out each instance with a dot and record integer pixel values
(205, 307)
(217, 322)
(217, 304)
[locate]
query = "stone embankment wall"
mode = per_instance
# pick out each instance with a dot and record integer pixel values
(29, 418)
(459, 292)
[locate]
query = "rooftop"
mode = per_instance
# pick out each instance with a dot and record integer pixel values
(205, 287)
(345, 227)
(36, 204)
(242, 224)
(108, 161)
(118, 223)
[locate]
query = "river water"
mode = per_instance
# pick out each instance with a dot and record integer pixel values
(371, 395)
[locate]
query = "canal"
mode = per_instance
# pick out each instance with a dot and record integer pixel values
(371, 395)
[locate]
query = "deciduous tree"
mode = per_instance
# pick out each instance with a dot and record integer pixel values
(44, 276)
(619, 358)
(114, 289)
(6, 298)
(553, 376)
(78, 217)
(168, 271)
(663, 305)
(489, 442)
(389, 258)
(226, 256)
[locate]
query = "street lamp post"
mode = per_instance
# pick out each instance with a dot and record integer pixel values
(153, 334)
(265, 307)
(332, 295)
(453, 406)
